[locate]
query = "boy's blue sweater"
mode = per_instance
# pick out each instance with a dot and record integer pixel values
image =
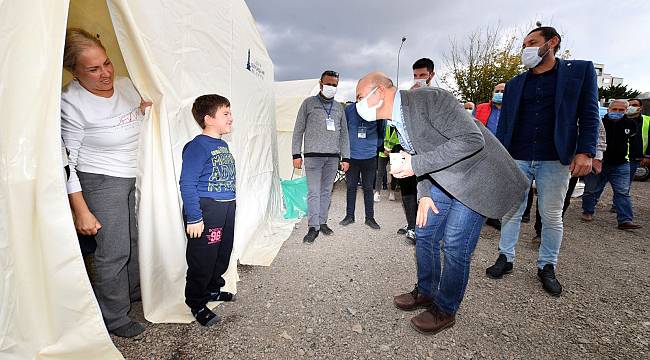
(208, 171)
(360, 148)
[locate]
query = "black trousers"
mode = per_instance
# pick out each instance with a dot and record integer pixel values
(367, 170)
(409, 189)
(209, 255)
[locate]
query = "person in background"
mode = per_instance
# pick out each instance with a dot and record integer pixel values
(390, 141)
(551, 130)
(423, 73)
(101, 118)
(469, 107)
(638, 154)
(365, 140)
(615, 168)
(207, 186)
(322, 127)
(488, 113)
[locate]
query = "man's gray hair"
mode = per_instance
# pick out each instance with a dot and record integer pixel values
(622, 101)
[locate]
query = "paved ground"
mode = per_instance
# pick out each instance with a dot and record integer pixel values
(333, 299)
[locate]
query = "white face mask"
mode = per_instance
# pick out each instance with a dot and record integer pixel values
(420, 83)
(329, 91)
(469, 110)
(632, 110)
(366, 112)
(530, 56)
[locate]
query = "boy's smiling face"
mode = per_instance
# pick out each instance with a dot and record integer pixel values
(221, 122)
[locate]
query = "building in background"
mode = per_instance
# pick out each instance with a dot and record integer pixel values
(605, 80)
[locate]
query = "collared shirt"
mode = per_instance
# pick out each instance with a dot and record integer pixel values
(398, 122)
(493, 120)
(534, 133)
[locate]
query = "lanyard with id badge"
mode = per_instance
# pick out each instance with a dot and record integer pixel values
(361, 131)
(329, 120)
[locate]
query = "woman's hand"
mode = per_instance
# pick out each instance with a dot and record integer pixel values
(195, 230)
(144, 105)
(423, 210)
(86, 223)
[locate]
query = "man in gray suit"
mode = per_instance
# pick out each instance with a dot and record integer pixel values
(464, 175)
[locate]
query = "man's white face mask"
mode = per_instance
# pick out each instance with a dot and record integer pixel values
(420, 83)
(366, 112)
(329, 91)
(530, 57)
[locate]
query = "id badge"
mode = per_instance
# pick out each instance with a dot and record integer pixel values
(361, 133)
(330, 124)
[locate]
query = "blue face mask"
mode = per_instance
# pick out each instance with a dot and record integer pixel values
(615, 116)
(497, 98)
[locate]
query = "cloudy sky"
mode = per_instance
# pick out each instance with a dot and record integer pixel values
(354, 37)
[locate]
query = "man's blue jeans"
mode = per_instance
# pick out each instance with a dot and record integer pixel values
(459, 227)
(551, 181)
(619, 177)
(634, 164)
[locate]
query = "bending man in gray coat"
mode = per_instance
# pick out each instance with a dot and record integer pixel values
(464, 175)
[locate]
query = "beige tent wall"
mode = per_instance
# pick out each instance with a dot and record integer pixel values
(289, 96)
(47, 308)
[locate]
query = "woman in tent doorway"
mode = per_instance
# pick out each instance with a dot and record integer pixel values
(101, 117)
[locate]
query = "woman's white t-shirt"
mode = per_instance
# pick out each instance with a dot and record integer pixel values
(101, 134)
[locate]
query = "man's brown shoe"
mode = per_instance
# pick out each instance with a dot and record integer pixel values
(587, 217)
(628, 226)
(432, 321)
(412, 301)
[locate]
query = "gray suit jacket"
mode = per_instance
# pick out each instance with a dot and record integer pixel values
(459, 154)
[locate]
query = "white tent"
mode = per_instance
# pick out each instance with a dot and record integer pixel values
(289, 96)
(173, 53)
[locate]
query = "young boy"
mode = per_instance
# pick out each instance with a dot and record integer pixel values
(208, 190)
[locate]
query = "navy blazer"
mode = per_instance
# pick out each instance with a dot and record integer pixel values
(576, 109)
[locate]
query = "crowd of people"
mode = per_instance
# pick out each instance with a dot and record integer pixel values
(457, 166)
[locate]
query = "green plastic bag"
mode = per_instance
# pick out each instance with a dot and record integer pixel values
(294, 192)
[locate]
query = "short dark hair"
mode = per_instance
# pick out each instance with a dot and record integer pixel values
(207, 105)
(635, 99)
(424, 63)
(548, 32)
(329, 73)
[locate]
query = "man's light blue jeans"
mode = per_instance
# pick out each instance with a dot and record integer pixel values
(551, 181)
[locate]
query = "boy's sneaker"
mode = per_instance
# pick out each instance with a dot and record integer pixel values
(410, 235)
(391, 196)
(500, 268)
(221, 296)
(129, 330)
(549, 281)
(312, 234)
(377, 196)
(205, 316)
(403, 230)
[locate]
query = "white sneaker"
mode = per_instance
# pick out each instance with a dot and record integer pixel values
(377, 197)
(391, 196)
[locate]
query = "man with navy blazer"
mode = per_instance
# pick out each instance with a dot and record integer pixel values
(549, 123)
(464, 175)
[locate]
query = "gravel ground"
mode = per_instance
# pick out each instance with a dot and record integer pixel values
(333, 299)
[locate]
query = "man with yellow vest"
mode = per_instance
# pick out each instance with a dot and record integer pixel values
(638, 152)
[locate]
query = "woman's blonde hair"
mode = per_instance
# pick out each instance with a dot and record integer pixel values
(77, 40)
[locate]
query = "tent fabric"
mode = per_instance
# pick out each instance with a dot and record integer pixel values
(47, 309)
(173, 54)
(289, 97)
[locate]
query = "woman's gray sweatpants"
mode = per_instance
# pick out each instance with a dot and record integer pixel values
(321, 172)
(117, 276)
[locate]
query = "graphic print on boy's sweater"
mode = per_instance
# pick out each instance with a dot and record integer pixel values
(223, 171)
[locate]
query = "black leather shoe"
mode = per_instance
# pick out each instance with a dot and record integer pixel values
(549, 282)
(326, 230)
(373, 224)
(500, 268)
(312, 234)
(346, 221)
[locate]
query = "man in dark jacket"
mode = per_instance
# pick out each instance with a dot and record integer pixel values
(464, 175)
(549, 124)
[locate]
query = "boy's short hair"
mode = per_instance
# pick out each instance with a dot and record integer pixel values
(207, 105)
